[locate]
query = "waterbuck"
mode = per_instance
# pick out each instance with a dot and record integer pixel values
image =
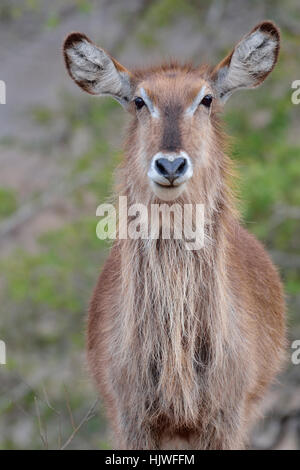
(182, 343)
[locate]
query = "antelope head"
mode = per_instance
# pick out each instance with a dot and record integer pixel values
(174, 138)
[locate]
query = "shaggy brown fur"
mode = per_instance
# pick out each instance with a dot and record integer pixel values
(183, 344)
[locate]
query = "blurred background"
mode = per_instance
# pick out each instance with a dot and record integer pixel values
(58, 149)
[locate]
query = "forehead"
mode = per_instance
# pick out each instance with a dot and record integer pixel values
(172, 86)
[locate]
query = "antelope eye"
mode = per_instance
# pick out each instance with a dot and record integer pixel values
(207, 100)
(139, 102)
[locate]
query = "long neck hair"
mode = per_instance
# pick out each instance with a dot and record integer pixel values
(175, 337)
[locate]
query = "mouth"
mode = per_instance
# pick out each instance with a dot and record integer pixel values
(167, 192)
(167, 185)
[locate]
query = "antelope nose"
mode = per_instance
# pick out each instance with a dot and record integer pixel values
(171, 169)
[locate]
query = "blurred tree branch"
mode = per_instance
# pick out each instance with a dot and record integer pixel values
(48, 199)
(85, 419)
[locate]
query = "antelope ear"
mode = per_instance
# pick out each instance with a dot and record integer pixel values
(250, 62)
(94, 70)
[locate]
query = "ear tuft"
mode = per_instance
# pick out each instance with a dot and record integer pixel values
(74, 38)
(269, 27)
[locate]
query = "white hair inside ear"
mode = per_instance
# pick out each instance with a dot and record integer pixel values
(94, 70)
(250, 62)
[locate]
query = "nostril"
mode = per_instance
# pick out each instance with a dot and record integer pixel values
(161, 167)
(182, 167)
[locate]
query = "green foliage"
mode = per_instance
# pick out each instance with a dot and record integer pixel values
(268, 164)
(55, 279)
(42, 115)
(163, 12)
(52, 21)
(52, 287)
(8, 202)
(84, 6)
